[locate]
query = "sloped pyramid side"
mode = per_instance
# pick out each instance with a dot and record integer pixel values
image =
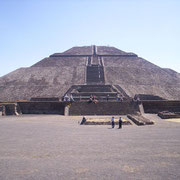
(82, 50)
(108, 50)
(51, 77)
(138, 76)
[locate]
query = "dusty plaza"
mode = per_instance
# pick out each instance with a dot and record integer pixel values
(57, 147)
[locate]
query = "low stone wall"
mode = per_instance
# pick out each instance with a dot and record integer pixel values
(103, 108)
(85, 108)
(42, 107)
(158, 106)
(168, 115)
(140, 120)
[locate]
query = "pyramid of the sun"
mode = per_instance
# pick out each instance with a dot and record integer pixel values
(53, 76)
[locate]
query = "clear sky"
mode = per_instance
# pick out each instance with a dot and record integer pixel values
(33, 29)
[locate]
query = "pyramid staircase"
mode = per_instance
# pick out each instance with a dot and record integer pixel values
(95, 74)
(83, 92)
(95, 83)
(101, 92)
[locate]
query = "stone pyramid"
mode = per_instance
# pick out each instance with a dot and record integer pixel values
(90, 65)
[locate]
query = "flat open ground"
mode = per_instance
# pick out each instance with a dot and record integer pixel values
(56, 147)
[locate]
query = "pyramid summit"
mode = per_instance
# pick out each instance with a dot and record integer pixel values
(100, 67)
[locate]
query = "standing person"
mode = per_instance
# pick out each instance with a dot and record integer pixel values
(120, 123)
(90, 99)
(71, 98)
(66, 97)
(117, 97)
(83, 121)
(112, 122)
(107, 97)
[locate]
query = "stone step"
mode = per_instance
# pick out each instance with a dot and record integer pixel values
(96, 88)
(111, 94)
(99, 98)
(95, 73)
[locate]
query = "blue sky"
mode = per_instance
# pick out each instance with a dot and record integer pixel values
(33, 29)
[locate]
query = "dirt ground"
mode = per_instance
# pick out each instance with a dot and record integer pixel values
(56, 147)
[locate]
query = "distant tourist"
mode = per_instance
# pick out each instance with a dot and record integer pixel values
(66, 98)
(120, 123)
(138, 100)
(95, 101)
(107, 97)
(71, 98)
(118, 97)
(83, 121)
(113, 124)
(90, 99)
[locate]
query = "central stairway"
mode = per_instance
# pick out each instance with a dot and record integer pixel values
(95, 74)
(95, 83)
(101, 92)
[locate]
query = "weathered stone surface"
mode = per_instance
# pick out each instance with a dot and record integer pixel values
(25, 83)
(103, 108)
(42, 107)
(138, 76)
(159, 106)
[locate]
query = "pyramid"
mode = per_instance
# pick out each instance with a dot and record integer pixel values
(90, 66)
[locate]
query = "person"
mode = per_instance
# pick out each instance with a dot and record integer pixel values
(83, 121)
(94, 100)
(71, 98)
(120, 123)
(90, 99)
(113, 122)
(107, 97)
(66, 98)
(118, 97)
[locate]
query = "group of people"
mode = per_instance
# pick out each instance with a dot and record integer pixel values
(92, 99)
(119, 122)
(112, 121)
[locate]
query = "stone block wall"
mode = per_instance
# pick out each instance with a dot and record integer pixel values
(103, 108)
(158, 106)
(42, 107)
